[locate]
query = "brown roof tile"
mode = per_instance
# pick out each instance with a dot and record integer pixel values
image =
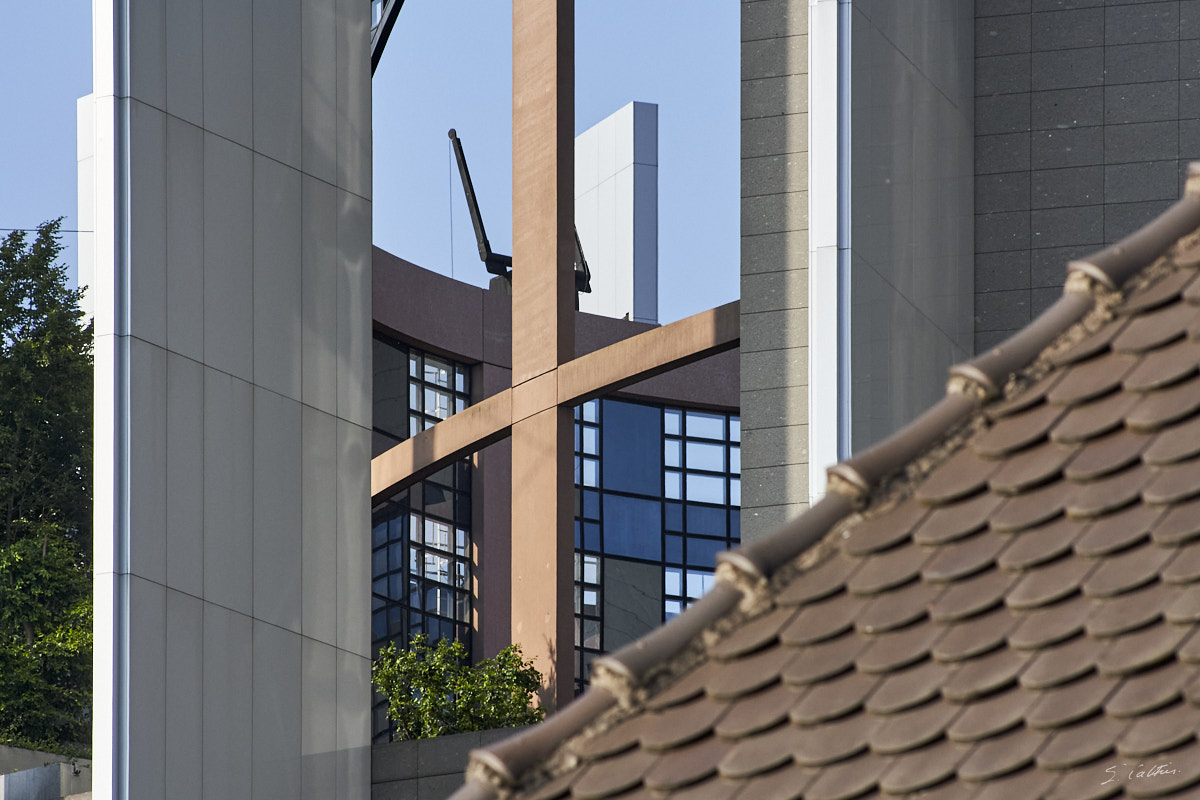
(1007, 617)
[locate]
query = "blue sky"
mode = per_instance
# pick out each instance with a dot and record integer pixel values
(448, 64)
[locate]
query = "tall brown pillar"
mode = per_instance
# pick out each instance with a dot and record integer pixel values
(543, 337)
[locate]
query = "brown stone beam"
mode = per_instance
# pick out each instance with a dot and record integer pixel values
(621, 364)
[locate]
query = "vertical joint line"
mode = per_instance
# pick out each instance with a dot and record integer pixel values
(843, 229)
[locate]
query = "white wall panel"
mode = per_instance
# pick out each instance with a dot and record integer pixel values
(319, 506)
(185, 60)
(228, 703)
(277, 498)
(228, 73)
(318, 335)
(185, 475)
(148, 57)
(353, 539)
(228, 505)
(148, 460)
(277, 271)
(277, 713)
(184, 758)
(185, 238)
(353, 292)
(318, 705)
(148, 240)
(277, 97)
(319, 87)
(228, 256)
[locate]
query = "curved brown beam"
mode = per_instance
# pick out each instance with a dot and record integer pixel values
(626, 362)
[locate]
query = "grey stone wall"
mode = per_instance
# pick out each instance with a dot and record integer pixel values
(1086, 114)
(426, 769)
(774, 251)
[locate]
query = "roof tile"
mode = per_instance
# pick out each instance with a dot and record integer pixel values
(1179, 525)
(1022, 393)
(911, 687)
(956, 521)
(895, 650)
(785, 783)
(1105, 455)
(759, 753)
(1127, 571)
(1088, 380)
(1185, 567)
(1099, 340)
(1045, 584)
(753, 635)
(1035, 507)
(1145, 648)
(838, 741)
(972, 596)
(1028, 468)
(1001, 755)
(849, 779)
(1062, 664)
(899, 608)
(882, 572)
(1027, 783)
(1074, 701)
(1166, 289)
(823, 660)
(825, 620)
(682, 724)
(991, 716)
(982, 676)
(1081, 743)
(1128, 612)
(686, 764)
(1038, 545)
(961, 475)
(1174, 443)
(606, 778)
(1010, 434)
(1049, 625)
(1185, 606)
(1095, 419)
(1083, 783)
(834, 698)
(1158, 409)
(1154, 329)
(1116, 531)
(974, 637)
(1109, 493)
(824, 579)
(921, 769)
(748, 674)
(883, 531)
(1174, 483)
(1162, 730)
(752, 713)
(1149, 691)
(1161, 368)
(1180, 770)
(913, 728)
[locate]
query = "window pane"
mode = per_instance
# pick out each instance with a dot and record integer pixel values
(437, 403)
(437, 372)
(414, 396)
(379, 562)
(591, 601)
(632, 527)
(591, 569)
(460, 380)
(671, 608)
(672, 421)
(414, 365)
(673, 581)
(591, 411)
(703, 552)
(705, 488)
(707, 426)
(591, 633)
(632, 449)
(591, 472)
(706, 521)
(672, 453)
(735, 459)
(698, 583)
(674, 517)
(735, 429)
(735, 491)
(591, 440)
(701, 455)
(674, 549)
(672, 487)
(591, 504)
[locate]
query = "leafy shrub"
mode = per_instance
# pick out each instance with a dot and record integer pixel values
(432, 691)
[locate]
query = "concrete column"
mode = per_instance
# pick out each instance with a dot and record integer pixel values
(543, 336)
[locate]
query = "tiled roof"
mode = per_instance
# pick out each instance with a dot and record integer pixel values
(1001, 601)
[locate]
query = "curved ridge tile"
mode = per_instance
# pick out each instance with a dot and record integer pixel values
(1020, 349)
(767, 555)
(514, 756)
(1097, 341)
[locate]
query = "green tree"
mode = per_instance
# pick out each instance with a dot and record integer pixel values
(432, 691)
(45, 498)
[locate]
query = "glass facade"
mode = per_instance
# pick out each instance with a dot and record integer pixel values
(421, 536)
(657, 497)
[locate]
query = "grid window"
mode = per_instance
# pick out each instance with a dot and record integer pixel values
(421, 537)
(655, 486)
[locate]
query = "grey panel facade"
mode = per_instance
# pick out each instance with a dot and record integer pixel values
(774, 253)
(1086, 114)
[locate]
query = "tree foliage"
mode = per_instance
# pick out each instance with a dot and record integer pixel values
(432, 691)
(45, 498)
